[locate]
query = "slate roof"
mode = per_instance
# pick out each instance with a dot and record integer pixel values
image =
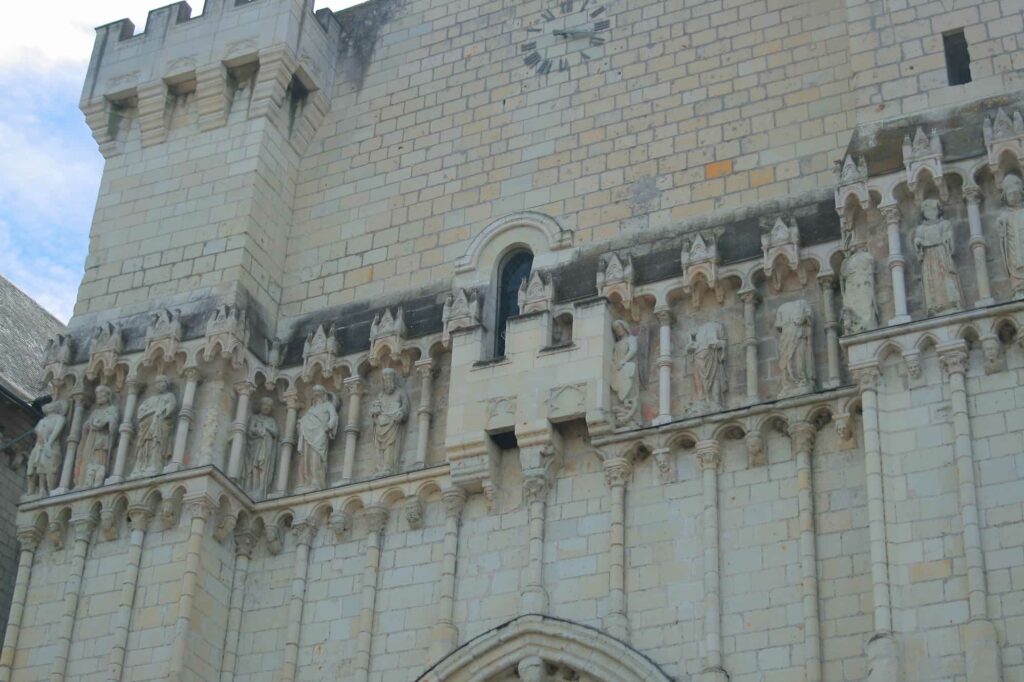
(25, 327)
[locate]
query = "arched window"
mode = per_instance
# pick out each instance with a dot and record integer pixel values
(514, 272)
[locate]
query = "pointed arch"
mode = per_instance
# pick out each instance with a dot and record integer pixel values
(582, 648)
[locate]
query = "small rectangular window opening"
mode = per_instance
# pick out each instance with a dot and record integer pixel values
(958, 59)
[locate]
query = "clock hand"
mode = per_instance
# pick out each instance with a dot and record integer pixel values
(569, 35)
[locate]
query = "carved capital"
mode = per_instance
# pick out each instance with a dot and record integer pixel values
(376, 518)
(193, 374)
(972, 195)
(954, 361)
(709, 455)
(454, 500)
(305, 531)
(866, 377)
(201, 507)
(245, 388)
(245, 542)
(29, 538)
(292, 401)
(891, 215)
(425, 368)
(664, 315)
(354, 386)
(83, 527)
(749, 297)
(535, 486)
(617, 471)
(139, 517)
(802, 435)
(133, 385)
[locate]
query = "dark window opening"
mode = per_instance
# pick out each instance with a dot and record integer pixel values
(958, 59)
(513, 273)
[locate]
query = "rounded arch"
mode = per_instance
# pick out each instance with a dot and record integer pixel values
(582, 648)
(535, 231)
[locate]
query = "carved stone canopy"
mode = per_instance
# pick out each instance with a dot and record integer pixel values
(461, 311)
(1003, 132)
(387, 336)
(105, 348)
(320, 351)
(163, 333)
(615, 278)
(227, 333)
(700, 260)
(780, 247)
(536, 293)
(924, 152)
(851, 180)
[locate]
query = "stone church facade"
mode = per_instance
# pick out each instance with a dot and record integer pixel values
(542, 340)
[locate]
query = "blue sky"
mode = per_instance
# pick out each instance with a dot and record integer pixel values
(49, 165)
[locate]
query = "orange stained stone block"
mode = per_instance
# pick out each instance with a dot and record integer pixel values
(761, 176)
(717, 169)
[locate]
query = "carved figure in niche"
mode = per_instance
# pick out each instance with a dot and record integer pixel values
(389, 413)
(794, 321)
(933, 241)
(706, 355)
(98, 435)
(1011, 231)
(858, 281)
(625, 379)
(317, 427)
(44, 460)
(156, 424)
(261, 438)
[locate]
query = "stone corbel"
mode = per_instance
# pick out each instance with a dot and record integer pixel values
(913, 362)
(273, 534)
(56, 530)
(780, 248)
(474, 467)
(700, 262)
(320, 351)
(101, 117)
(1003, 133)
(924, 152)
(153, 112)
(536, 294)
(110, 523)
(756, 455)
(227, 334)
(992, 354)
(170, 512)
(340, 523)
(276, 68)
(665, 465)
(413, 509)
(461, 311)
(387, 339)
(105, 349)
(212, 96)
(226, 522)
(615, 280)
(163, 333)
(309, 116)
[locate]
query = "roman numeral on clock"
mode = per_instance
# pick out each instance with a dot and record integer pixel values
(597, 12)
(602, 25)
(532, 58)
(528, 47)
(544, 67)
(548, 15)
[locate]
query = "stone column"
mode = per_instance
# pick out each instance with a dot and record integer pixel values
(897, 264)
(185, 415)
(29, 539)
(355, 387)
(708, 456)
(882, 651)
(244, 390)
(827, 283)
(74, 436)
(83, 528)
(376, 520)
(138, 520)
(617, 471)
(444, 636)
(284, 466)
(980, 641)
(750, 298)
(245, 540)
(304, 533)
(802, 436)
(664, 315)
(979, 248)
(200, 511)
(127, 430)
(534, 598)
(425, 368)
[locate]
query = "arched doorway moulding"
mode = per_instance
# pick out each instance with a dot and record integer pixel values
(539, 233)
(582, 648)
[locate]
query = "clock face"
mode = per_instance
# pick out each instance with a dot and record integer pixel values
(566, 34)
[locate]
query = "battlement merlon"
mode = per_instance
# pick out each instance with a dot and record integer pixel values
(134, 74)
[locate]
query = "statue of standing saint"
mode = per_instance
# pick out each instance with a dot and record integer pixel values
(706, 355)
(1011, 231)
(43, 461)
(625, 379)
(389, 413)
(860, 312)
(933, 240)
(261, 438)
(316, 430)
(793, 321)
(156, 424)
(98, 435)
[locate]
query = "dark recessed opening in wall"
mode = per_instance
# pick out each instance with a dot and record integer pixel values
(506, 440)
(958, 58)
(514, 272)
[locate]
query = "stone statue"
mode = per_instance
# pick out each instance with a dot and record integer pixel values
(933, 241)
(860, 312)
(625, 379)
(98, 435)
(389, 413)
(1011, 231)
(706, 355)
(794, 321)
(261, 439)
(156, 428)
(317, 428)
(44, 460)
